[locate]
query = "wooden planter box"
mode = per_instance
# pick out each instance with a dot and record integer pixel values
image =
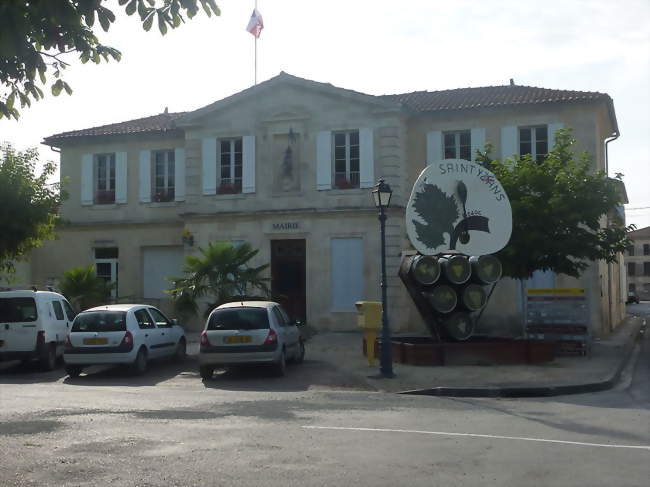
(423, 354)
(424, 351)
(539, 352)
(485, 353)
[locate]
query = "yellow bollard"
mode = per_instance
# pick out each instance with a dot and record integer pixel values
(369, 319)
(371, 336)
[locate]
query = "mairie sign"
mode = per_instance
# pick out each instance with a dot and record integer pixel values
(458, 206)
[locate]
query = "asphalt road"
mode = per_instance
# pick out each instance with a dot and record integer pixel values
(251, 429)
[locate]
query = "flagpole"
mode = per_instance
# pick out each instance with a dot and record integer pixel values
(256, 50)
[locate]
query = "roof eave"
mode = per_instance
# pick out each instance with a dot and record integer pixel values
(60, 142)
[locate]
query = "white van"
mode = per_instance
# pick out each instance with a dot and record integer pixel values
(34, 325)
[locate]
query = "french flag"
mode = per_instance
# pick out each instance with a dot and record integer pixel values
(256, 24)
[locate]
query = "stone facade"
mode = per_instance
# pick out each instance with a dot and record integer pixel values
(637, 261)
(287, 192)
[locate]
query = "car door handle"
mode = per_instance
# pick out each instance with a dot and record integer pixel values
(163, 333)
(146, 335)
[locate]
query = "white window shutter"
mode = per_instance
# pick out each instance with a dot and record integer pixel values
(145, 176)
(434, 147)
(552, 128)
(209, 158)
(248, 163)
(324, 160)
(179, 174)
(347, 282)
(478, 141)
(367, 158)
(509, 139)
(87, 186)
(121, 177)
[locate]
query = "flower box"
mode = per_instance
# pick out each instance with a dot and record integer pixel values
(104, 197)
(342, 183)
(163, 196)
(229, 188)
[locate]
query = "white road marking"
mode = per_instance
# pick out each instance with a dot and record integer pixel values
(475, 435)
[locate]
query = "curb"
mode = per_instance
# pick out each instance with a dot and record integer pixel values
(536, 391)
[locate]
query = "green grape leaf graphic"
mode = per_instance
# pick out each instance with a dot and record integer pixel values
(439, 213)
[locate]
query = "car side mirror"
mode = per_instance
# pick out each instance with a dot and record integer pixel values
(175, 322)
(298, 323)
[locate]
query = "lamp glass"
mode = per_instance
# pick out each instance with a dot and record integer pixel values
(382, 194)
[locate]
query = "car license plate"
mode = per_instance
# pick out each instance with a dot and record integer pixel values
(95, 341)
(238, 339)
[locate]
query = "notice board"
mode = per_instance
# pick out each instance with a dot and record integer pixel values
(560, 315)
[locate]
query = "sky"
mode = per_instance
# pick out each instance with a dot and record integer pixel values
(372, 46)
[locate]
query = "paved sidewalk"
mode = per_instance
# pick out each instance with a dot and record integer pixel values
(342, 353)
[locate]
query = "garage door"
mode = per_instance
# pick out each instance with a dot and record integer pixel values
(160, 263)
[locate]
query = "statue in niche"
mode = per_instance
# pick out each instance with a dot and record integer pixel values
(286, 175)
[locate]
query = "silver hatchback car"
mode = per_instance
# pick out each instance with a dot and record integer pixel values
(249, 332)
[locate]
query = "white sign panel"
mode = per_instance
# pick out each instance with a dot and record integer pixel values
(458, 206)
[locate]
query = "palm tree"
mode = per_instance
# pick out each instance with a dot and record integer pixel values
(84, 289)
(221, 272)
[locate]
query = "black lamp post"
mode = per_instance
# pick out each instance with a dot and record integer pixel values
(381, 195)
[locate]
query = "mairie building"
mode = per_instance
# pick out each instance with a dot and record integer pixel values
(288, 166)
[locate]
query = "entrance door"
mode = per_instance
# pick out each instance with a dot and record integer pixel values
(288, 276)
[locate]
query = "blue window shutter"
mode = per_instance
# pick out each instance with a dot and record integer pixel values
(347, 273)
(248, 169)
(434, 147)
(552, 128)
(478, 141)
(324, 160)
(367, 163)
(87, 182)
(121, 177)
(209, 163)
(509, 142)
(145, 176)
(179, 174)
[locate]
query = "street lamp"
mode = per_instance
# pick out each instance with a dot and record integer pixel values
(381, 194)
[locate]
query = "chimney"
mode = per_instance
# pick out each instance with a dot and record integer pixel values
(512, 82)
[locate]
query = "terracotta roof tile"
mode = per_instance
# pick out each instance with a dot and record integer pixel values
(418, 101)
(488, 96)
(156, 123)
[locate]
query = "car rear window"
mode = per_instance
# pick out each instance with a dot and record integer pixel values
(17, 310)
(239, 319)
(100, 321)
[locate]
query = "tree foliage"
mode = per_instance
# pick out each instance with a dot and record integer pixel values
(36, 35)
(221, 273)
(84, 289)
(28, 204)
(560, 211)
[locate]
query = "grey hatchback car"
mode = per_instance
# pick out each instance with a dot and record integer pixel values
(249, 332)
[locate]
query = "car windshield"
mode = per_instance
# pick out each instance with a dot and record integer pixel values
(94, 321)
(17, 310)
(239, 319)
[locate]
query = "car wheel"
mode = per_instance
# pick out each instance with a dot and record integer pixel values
(280, 367)
(181, 351)
(73, 370)
(139, 365)
(206, 372)
(48, 359)
(300, 357)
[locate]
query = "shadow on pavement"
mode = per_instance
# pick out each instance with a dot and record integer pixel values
(109, 375)
(16, 372)
(310, 375)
